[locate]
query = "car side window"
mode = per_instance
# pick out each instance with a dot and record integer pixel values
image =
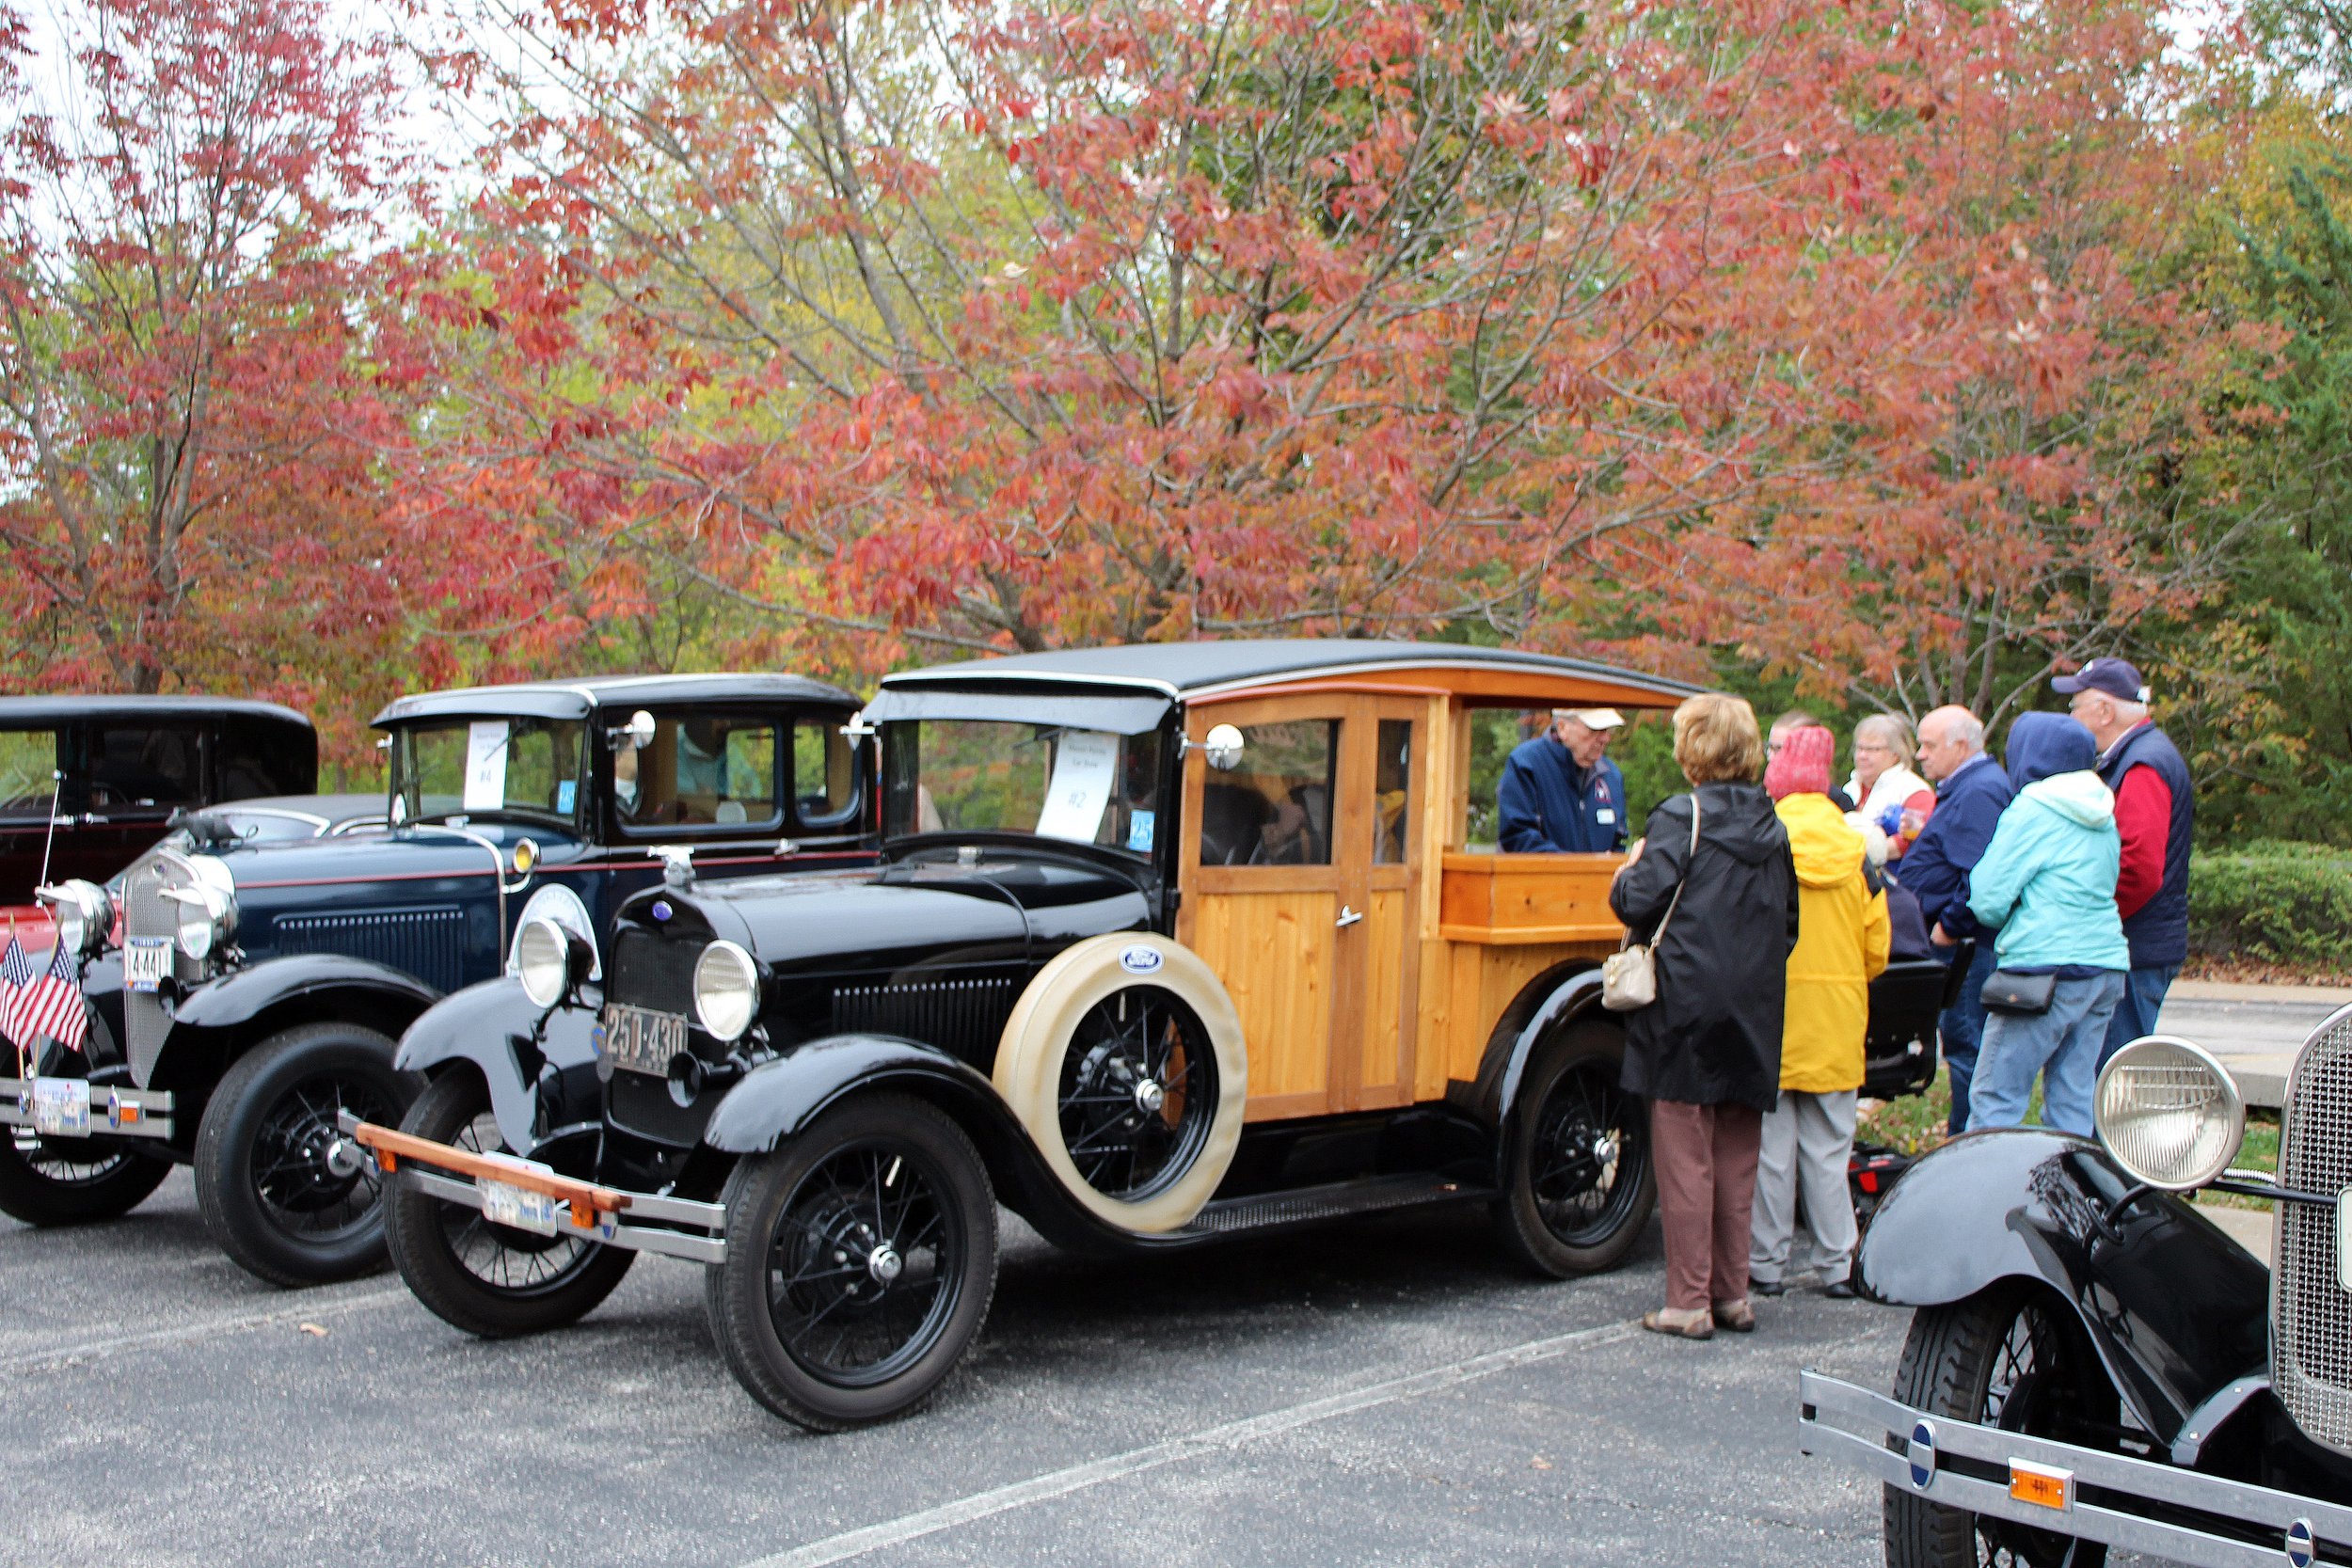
(144, 767)
(824, 772)
(1275, 809)
(29, 762)
(701, 771)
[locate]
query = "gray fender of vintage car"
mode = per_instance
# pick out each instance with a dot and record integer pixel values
(2175, 1308)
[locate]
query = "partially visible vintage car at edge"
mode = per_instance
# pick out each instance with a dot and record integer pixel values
(248, 978)
(89, 784)
(2092, 1362)
(1168, 944)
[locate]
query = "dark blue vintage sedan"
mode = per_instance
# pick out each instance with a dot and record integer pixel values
(246, 988)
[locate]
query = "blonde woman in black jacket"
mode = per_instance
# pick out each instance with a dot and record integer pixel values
(1706, 1053)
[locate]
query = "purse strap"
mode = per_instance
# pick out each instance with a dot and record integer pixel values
(1659, 935)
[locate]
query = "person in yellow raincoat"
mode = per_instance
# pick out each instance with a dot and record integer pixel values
(1842, 945)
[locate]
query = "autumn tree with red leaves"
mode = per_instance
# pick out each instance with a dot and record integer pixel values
(196, 384)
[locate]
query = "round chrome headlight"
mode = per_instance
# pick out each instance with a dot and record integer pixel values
(726, 989)
(84, 914)
(2169, 1112)
(208, 915)
(542, 951)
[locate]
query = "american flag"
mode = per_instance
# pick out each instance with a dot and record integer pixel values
(52, 1004)
(16, 972)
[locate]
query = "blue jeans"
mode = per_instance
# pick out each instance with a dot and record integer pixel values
(2061, 1044)
(1960, 1028)
(2135, 1015)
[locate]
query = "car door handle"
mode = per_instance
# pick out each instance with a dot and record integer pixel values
(1348, 916)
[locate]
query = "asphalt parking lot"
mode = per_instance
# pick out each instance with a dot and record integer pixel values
(1379, 1391)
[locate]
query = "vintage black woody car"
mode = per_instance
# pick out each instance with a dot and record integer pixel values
(248, 980)
(2092, 1362)
(1168, 943)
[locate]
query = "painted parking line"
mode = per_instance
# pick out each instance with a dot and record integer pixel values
(309, 1308)
(1231, 1434)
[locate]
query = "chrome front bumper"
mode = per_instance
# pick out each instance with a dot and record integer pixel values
(673, 1227)
(114, 1112)
(2092, 1496)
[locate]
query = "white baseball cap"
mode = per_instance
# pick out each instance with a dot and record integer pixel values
(1592, 718)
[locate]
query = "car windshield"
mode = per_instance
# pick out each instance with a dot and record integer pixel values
(970, 775)
(487, 768)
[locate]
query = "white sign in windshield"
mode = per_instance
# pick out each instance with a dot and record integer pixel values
(485, 764)
(1083, 764)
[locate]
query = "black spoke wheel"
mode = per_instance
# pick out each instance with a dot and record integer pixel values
(487, 1279)
(286, 1196)
(1581, 1186)
(861, 1259)
(1137, 1093)
(2013, 1358)
(48, 1181)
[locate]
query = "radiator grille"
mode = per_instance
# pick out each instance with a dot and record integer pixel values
(2311, 1314)
(146, 912)
(652, 971)
(964, 1018)
(429, 943)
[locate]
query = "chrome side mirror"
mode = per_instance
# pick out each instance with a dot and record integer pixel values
(637, 733)
(1221, 747)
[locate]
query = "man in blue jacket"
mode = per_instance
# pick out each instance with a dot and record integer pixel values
(1971, 792)
(1560, 794)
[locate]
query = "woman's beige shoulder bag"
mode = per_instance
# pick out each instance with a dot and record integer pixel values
(1628, 977)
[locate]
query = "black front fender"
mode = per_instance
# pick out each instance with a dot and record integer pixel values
(541, 1066)
(2177, 1311)
(245, 995)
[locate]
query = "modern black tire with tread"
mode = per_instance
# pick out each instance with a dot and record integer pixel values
(293, 1082)
(1565, 1211)
(433, 1261)
(797, 1183)
(1949, 1368)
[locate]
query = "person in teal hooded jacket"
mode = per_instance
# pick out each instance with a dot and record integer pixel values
(2047, 881)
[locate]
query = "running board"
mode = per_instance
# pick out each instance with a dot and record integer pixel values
(1371, 1195)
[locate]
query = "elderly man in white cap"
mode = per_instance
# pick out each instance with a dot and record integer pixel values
(1560, 792)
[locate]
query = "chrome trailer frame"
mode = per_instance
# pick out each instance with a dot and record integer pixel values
(1910, 1450)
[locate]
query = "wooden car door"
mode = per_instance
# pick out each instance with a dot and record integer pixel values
(1297, 892)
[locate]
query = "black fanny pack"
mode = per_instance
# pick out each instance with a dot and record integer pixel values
(2006, 990)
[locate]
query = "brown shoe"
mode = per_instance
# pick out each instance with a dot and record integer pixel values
(1737, 1316)
(1683, 1324)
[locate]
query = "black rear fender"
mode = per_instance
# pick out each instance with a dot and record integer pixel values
(540, 1067)
(2176, 1310)
(1559, 996)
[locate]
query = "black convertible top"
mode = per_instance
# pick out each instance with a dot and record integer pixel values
(1187, 669)
(579, 698)
(30, 712)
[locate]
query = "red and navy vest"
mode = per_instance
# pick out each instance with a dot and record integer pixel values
(2159, 932)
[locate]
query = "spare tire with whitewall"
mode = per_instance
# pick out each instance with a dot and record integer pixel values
(1580, 1183)
(1125, 1061)
(280, 1188)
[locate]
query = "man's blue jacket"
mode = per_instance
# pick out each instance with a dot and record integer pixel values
(1548, 804)
(1935, 868)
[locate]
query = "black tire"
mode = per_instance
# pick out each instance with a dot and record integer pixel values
(485, 1278)
(787, 1210)
(263, 1181)
(50, 1181)
(1581, 1182)
(2013, 1357)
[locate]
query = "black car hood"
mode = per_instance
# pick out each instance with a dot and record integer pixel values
(925, 914)
(404, 852)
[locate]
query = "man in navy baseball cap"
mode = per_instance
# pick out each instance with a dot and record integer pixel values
(2156, 813)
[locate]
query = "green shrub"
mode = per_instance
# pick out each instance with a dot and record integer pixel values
(2273, 902)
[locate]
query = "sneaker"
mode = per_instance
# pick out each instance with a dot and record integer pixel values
(1768, 1289)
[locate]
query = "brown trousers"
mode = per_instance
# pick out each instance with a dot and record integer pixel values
(1705, 1161)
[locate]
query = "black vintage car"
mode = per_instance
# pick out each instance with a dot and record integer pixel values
(87, 783)
(248, 978)
(2092, 1362)
(1168, 943)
